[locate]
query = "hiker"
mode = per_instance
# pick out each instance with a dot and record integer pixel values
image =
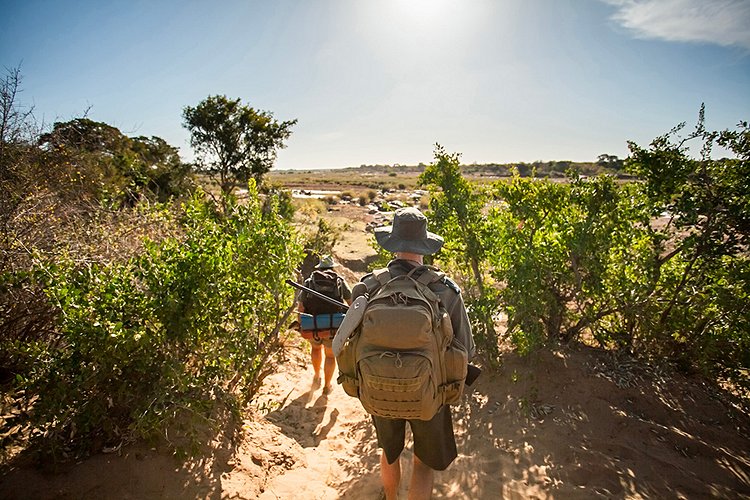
(323, 280)
(434, 442)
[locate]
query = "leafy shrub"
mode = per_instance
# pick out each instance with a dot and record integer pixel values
(697, 313)
(113, 167)
(456, 214)
(556, 246)
(658, 267)
(166, 337)
(317, 243)
(280, 196)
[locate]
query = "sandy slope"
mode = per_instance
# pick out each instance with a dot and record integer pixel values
(552, 426)
(566, 424)
(556, 425)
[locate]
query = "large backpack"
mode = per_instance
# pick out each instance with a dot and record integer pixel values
(402, 360)
(327, 282)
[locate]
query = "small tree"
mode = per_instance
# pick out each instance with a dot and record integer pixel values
(559, 249)
(456, 208)
(122, 167)
(234, 142)
(456, 213)
(16, 121)
(698, 311)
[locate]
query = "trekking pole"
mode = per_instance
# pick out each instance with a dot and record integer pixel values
(341, 305)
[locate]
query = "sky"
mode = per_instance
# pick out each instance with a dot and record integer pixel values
(383, 81)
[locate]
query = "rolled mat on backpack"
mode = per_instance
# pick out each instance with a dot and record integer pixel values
(320, 321)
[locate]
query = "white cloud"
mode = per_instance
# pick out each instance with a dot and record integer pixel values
(722, 22)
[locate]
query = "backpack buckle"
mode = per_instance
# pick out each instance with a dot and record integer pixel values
(399, 298)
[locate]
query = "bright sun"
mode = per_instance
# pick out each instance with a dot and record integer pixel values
(420, 25)
(423, 13)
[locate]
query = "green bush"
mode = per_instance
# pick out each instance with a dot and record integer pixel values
(456, 212)
(166, 338)
(556, 248)
(112, 167)
(658, 267)
(697, 312)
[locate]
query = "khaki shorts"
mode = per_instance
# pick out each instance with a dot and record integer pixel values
(328, 342)
(434, 442)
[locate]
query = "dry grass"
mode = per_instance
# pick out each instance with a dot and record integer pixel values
(353, 180)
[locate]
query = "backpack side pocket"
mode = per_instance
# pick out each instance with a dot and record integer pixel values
(344, 346)
(348, 368)
(456, 366)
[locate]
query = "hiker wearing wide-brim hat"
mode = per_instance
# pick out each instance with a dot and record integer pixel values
(434, 441)
(408, 234)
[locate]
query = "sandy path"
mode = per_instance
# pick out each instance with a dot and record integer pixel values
(332, 435)
(552, 426)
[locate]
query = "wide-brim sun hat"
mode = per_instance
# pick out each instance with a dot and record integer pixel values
(326, 262)
(408, 234)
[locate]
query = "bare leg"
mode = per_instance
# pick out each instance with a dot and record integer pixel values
(390, 474)
(330, 366)
(317, 358)
(422, 477)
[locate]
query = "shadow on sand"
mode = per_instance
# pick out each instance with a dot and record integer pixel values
(579, 424)
(136, 471)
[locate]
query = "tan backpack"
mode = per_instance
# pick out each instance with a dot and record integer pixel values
(401, 359)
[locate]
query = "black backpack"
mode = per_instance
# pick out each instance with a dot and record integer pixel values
(327, 282)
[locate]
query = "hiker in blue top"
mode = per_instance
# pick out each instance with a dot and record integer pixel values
(326, 281)
(434, 442)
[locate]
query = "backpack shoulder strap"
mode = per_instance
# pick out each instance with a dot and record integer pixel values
(315, 274)
(383, 276)
(427, 274)
(374, 280)
(340, 285)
